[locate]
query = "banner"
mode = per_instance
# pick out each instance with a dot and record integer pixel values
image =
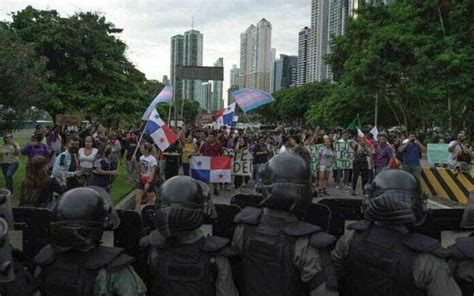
(243, 163)
(438, 153)
(344, 155)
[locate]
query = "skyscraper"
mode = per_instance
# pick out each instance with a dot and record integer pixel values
(192, 48)
(255, 56)
(217, 102)
(177, 57)
(303, 56)
(234, 76)
(285, 69)
(272, 70)
(318, 40)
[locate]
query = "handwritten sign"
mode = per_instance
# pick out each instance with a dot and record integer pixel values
(344, 155)
(313, 151)
(438, 153)
(243, 163)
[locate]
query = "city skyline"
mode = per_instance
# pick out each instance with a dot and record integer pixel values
(149, 25)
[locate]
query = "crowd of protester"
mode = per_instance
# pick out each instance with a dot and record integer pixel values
(61, 159)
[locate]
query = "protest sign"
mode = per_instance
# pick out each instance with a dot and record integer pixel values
(344, 155)
(242, 164)
(438, 153)
(313, 150)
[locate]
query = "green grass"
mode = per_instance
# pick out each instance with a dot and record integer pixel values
(120, 188)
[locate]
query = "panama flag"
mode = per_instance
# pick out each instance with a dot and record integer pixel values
(225, 117)
(161, 134)
(211, 169)
(249, 99)
(165, 96)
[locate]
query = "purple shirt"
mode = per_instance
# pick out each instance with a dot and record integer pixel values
(383, 154)
(31, 151)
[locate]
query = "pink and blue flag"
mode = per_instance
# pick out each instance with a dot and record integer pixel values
(161, 133)
(249, 99)
(225, 117)
(211, 169)
(165, 96)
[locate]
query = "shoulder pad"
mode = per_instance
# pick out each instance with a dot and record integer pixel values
(359, 225)
(45, 256)
(155, 239)
(300, 228)
(248, 215)
(422, 243)
(102, 256)
(465, 246)
(119, 262)
(321, 240)
(215, 243)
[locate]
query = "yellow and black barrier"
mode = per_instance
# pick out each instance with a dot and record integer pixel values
(446, 183)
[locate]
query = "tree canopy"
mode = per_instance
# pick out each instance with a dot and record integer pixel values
(85, 68)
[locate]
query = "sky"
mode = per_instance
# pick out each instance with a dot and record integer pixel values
(149, 24)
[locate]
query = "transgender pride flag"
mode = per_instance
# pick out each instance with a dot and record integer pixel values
(249, 99)
(211, 169)
(165, 96)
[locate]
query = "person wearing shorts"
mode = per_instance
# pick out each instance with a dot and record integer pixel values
(327, 157)
(145, 183)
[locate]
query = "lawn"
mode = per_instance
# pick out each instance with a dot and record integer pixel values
(120, 188)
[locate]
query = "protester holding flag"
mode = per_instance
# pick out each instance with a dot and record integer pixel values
(211, 148)
(148, 165)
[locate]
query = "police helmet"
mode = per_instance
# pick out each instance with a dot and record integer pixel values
(286, 183)
(183, 205)
(395, 197)
(80, 217)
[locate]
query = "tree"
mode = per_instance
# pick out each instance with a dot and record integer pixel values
(20, 77)
(87, 71)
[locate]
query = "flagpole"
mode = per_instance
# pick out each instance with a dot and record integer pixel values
(139, 141)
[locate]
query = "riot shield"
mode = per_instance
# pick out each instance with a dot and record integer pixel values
(224, 225)
(319, 214)
(128, 234)
(246, 200)
(31, 230)
(342, 211)
(443, 225)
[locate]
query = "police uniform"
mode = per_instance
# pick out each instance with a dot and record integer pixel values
(182, 261)
(381, 255)
(462, 253)
(280, 254)
(75, 263)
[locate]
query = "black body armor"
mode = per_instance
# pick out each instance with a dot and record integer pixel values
(462, 254)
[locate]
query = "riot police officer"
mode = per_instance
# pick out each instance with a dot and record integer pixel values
(282, 255)
(382, 255)
(462, 253)
(181, 259)
(75, 263)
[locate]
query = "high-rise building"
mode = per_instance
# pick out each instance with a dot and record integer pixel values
(165, 80)
(272, 70)
(230, 98)
(234, 76)
(303, 56)
(217, 102)
(177, 58)
(192, 48)
(285, 71)
(255, 56)
(204, 95)
(318, 40)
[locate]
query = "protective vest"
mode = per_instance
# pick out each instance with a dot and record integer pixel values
(184, 269)
(268, 251)
(74, 273)
(381, 261)
(463, 255)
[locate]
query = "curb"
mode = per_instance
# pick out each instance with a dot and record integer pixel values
(127, 202)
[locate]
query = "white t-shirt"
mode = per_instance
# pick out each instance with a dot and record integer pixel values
(146, 164)
(456, 150)
(87, 161)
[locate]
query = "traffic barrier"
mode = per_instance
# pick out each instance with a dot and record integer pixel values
(446, 183)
